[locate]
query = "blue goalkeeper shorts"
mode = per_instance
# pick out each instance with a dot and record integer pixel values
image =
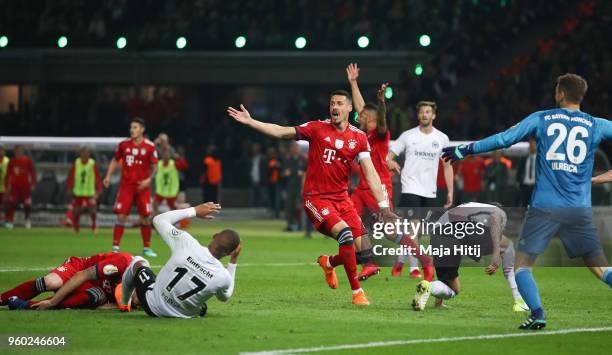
(574, 226)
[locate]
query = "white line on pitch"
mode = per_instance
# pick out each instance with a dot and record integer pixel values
(48, 268)
(434, 340)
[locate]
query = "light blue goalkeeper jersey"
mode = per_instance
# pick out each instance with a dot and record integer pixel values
(567, 141)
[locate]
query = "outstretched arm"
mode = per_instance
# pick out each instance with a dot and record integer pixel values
(164, 223)
(352, 73)
(512, 135)
(381, 115)
(603, 178)
(269, 129)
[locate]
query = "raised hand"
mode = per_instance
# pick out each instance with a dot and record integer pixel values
(243, 116)
(205, 210)
(381, 92)
(352, 72)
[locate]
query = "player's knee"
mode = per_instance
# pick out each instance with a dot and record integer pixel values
(122, 218)
(345, 237)
(50, 282)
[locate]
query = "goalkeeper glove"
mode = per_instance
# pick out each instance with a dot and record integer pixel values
(456, 153)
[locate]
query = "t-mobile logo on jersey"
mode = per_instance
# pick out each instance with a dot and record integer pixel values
(329, 155)
(129, 160)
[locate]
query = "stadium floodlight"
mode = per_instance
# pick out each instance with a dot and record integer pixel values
(418, 69)
(240, 41)
(424, 40)
(363, 41)
(389, 93)
(62, 41)
(181, 42)
(300, 42)
(3, 41)
(121, 42)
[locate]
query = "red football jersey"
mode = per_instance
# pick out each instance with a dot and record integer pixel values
(109, 268)
(136, 160)
(20, 172)
(379, 143)
(329, 157)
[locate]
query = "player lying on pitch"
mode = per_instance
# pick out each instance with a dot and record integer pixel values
(491, 241)
(78, 283)
(334, 144)
(193, 274)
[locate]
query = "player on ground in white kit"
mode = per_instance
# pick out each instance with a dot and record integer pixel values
(193, 274)
(488, 221)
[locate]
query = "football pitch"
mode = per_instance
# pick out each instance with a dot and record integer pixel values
(282, 303)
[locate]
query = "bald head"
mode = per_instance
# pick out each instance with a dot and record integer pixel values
(224, 243)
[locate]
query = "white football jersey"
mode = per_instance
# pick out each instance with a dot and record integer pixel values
(191, 276)
(422, 152)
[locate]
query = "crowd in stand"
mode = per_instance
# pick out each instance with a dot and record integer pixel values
(579, 46)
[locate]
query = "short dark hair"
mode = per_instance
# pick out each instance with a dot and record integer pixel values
(342, 93)
(370, 106)
(573, 86)
(431, 104)
(229, 240)
(138, 120)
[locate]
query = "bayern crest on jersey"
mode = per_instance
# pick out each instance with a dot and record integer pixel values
(352, 144)
(134, 151)
(339, 144)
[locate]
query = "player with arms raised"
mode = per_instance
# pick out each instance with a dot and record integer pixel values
(561, 202)
(138, 158)
(372, 120)
(334, 144)
(193, 274)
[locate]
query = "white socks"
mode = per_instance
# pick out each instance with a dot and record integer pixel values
(441, 290)
(508, 267)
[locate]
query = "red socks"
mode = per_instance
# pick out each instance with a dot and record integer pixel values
(93, 221)
(145, 231)
(335, 260)
(25, 291)
(76, 222)
(347, 253)
(117, 234)
(409, 242)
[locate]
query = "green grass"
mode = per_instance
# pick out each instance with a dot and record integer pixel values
(287, 307)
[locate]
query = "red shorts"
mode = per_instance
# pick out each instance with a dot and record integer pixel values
(21, 194)
(126, 196)
(365, 202)
(83, 201)
(170, 201)
(71, 266)
(74, 264)
(325, 213)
